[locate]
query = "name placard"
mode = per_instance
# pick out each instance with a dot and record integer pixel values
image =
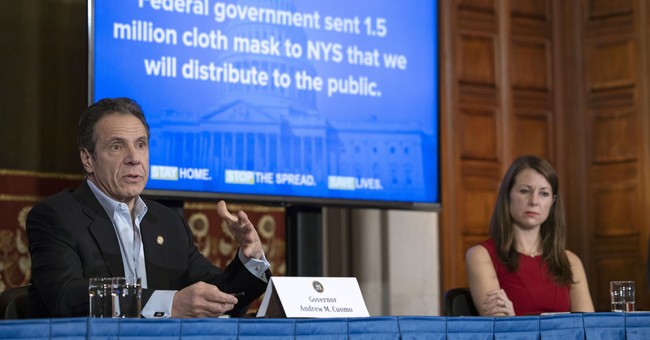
(313, 297)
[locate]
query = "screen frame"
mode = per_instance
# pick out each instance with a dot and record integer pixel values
(280, 200)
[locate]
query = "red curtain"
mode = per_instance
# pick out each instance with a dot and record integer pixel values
(19, 191)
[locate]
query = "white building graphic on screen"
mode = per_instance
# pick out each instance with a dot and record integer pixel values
(280, 130)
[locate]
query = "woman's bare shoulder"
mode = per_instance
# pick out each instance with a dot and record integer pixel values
(477, 252)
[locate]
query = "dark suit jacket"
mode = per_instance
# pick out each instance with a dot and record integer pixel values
(71, 238)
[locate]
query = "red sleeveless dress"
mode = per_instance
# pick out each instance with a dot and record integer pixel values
(531, 288)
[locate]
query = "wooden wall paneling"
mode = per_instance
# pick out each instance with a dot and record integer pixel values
(532, 135)
(615, 222)
(531, 127)
(604, 8)
(643, 19)
(614, 137)
(478, 195)
(478, 138)
(476, 5)
(531, 64)
(615, 212)
(611, 64)
(598, 86)
(570, 91)
(538, 9)
(479, 83)
(470, 128)
(449, 173)
(611, 268)
(476, 55)
(616, 225)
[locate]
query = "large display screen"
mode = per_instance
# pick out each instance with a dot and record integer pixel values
(290, 101)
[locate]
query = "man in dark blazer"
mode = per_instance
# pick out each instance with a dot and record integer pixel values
(105, 229)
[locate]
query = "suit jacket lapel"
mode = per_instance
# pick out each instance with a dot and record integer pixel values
(102, 229)
(153, 242)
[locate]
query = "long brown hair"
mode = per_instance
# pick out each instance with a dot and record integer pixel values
(552, 231)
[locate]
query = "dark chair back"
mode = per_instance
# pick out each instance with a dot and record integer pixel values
(458, 302)
(14, 303)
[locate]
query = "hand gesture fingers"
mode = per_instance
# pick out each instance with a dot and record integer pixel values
(243, 230)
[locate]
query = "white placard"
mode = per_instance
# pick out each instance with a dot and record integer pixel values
(313, 297)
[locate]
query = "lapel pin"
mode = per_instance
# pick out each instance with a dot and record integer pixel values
(160, 240)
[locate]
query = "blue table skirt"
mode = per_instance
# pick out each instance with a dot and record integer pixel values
(630, 326)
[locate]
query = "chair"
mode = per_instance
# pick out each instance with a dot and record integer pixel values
(14, 303)
(458, 302)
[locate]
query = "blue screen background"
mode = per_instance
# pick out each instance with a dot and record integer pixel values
(293, 143)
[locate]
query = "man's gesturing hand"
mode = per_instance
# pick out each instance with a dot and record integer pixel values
(243, 231)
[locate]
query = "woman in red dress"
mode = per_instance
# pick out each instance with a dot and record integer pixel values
(524, 268)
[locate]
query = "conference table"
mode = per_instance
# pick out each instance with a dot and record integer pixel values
(628, 326)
